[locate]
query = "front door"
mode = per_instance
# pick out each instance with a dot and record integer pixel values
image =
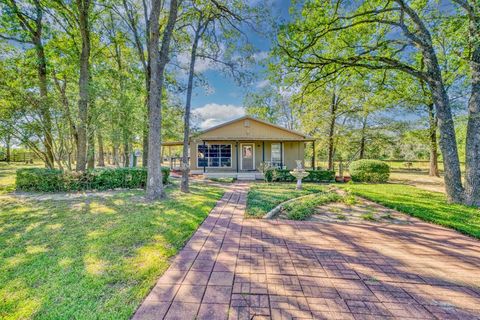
(248, 156)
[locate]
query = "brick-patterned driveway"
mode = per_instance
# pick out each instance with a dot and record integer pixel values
(255, 269)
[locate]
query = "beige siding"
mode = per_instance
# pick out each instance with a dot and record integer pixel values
(249, 128)
(291, 151)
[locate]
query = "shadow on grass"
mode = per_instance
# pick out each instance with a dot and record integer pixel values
(94, 257)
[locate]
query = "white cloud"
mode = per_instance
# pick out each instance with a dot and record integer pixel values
(259, 56)
(213, 114)
(201, 64)
(262, 84)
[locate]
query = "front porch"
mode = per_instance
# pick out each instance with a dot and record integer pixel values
(240, 159)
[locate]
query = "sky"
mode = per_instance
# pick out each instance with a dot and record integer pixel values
(223, 99)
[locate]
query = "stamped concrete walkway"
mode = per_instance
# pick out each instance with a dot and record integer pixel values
(236, 268)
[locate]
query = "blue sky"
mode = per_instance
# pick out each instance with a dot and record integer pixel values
(223, 101)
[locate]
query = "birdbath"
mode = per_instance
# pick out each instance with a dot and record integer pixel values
(299, 173)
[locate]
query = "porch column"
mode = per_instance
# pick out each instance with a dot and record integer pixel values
(281, 154)
(204, 166)
(313, 155)
(263, 151)
(236, 153)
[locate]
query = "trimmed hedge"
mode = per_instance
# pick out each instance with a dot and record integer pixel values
(366, 170)
(54, 180)
(283, 175)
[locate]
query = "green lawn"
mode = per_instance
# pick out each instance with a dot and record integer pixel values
(263, 197)
(91, 258)
(7, 175)
(426, 205)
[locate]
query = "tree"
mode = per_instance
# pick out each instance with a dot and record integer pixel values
(377, 36)
(29, 18)
(472, 150)
(83, 7)
(158, 61)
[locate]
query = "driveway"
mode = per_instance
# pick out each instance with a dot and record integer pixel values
(236, 268)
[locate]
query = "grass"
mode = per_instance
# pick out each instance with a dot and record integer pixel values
(91, 257)
(7, 175)
(426, 205)
(263, 197)
(368, 217)
(303, 208)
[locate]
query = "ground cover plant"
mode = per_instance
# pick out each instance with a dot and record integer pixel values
(426, 205)
(91, 258)
(283, 175)
(263, 197)
(304, 207)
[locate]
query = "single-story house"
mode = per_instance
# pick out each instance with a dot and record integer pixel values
(239, 148)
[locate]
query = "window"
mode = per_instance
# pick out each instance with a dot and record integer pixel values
(214, 155)
(276, 156)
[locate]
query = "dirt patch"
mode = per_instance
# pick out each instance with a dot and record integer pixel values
(362, 211)
(419, 179)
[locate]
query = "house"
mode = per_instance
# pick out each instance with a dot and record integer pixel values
(240, 147)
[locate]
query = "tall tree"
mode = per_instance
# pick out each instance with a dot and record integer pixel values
(401, 30)
(472, 149)
(29, 16)
(83, 7)
(158, 61)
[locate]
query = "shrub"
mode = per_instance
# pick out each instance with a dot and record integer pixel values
(283, 175)
(369, 171)
(53, 180)
(37, 179)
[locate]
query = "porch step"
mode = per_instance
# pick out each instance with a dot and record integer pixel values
(246, 176)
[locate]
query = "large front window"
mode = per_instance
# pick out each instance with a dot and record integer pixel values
(214, 155)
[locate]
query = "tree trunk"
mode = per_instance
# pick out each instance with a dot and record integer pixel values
(184, 187)
(101, 151)
(331, 130)
(8, 148)
(126, 154)
(116, 161)
(83, 7)
(158, 61)
(363, 139)
(90, 145)
(472, 150)
(145, 140)
(448, 143)
(146, 68)
(44, 107)
(432, 132)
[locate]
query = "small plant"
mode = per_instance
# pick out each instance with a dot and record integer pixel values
(341, 216)
(350, 200)
(224, 180)
(303, 208)
(368, 217)
(387, 216)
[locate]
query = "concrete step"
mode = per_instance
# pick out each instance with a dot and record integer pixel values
(246, 176)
